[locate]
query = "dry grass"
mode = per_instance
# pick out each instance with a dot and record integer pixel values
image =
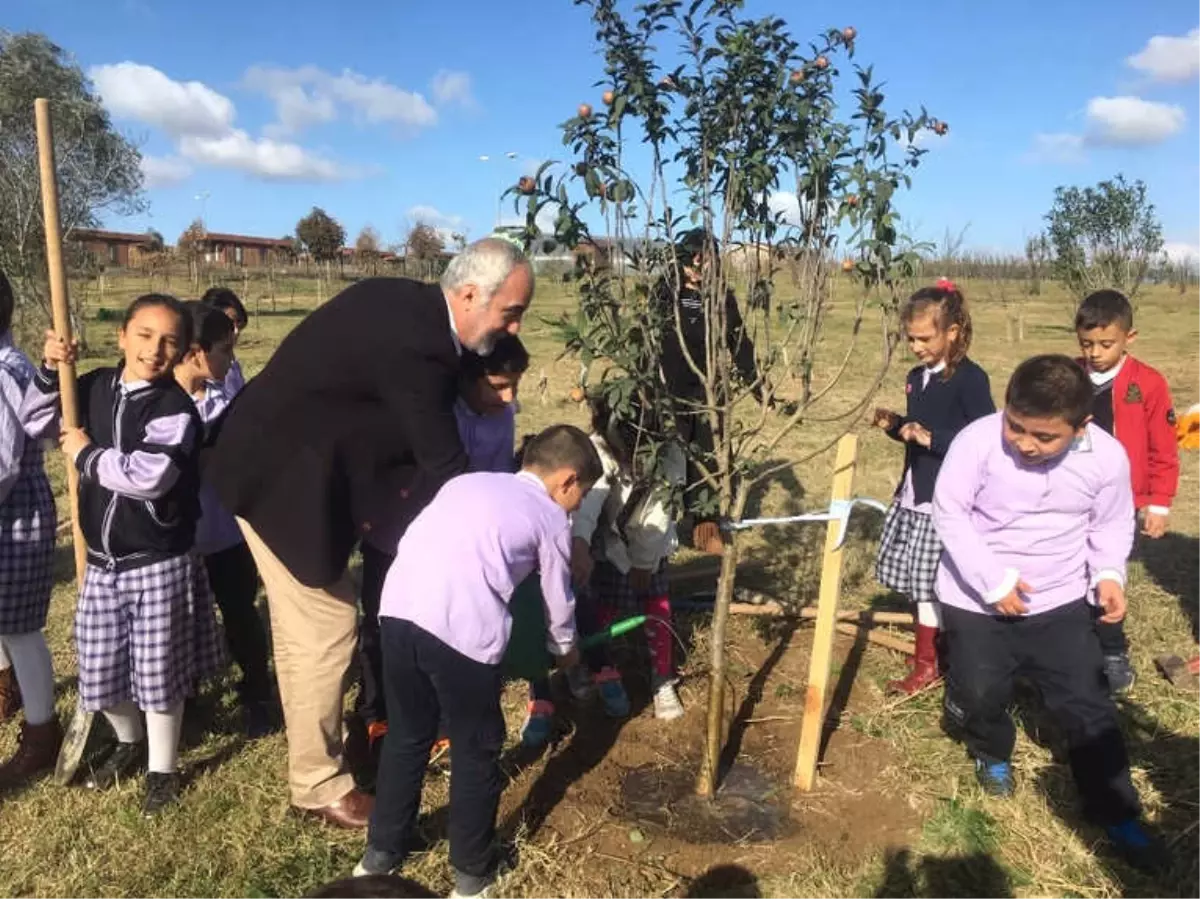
(234, 835)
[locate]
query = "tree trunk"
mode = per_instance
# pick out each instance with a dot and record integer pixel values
(714, 734)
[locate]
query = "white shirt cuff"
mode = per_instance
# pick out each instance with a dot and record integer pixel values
(1108, 574)
(1159, 510)
(1005, 587)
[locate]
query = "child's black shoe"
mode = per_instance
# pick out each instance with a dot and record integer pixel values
(126, 760)
(1136, 846)
(162, 790)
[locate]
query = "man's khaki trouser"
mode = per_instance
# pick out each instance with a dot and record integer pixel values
(314, 632)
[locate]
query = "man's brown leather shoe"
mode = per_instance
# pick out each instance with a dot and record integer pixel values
(352, 811)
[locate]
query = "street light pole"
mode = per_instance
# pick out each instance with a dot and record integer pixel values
(510, 155)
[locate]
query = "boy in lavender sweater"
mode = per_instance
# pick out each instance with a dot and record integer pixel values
(1035, 512)
(445, 623)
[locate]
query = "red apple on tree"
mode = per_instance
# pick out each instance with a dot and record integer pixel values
(847, 265)
(608, 98)
(585, 110)
(526, 185)
(821, 63)
(849, 33)
(797, 76)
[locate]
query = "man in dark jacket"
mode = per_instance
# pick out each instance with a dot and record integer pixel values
(351, 426)
(685, 358)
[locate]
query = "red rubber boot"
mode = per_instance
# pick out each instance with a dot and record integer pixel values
(925, 671)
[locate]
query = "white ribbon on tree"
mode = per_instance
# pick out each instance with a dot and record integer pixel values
(839, 510)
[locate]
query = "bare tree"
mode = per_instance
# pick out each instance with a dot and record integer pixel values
(98, 169)
(367, 249)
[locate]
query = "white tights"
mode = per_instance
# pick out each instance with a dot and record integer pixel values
(929, 614)
(161, 729)
(29, 657)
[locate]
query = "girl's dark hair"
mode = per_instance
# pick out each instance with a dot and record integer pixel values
(372, 885)
(508, 357)
(7, 303)
(1051, 386)
(692, 244)
(209, 325)
(163, 301)
(951, 308)
(224, 298)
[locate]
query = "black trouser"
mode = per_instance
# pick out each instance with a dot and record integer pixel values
(233, 579)
(425, 680)
(1059, 653)
(371, 704)
(1111, 636)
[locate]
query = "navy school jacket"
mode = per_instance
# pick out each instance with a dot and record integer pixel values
(944, 407)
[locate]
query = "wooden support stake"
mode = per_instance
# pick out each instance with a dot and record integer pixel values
(827, 601)
(852, 630)
(60, 310)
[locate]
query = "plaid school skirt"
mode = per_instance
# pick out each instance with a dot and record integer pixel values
(27, 522)
(149, 634)
(909, 551)
(610, 588)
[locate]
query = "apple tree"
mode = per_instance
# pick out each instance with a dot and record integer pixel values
(783, 156)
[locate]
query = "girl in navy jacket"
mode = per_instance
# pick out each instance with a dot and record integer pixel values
(945, 393)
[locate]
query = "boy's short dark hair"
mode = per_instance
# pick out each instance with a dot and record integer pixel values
(508, 357)
(372, 885)
(223, 298)
(209, 325)
(1051, 386)
(1103, 308)
(7, 304)
(564, 446)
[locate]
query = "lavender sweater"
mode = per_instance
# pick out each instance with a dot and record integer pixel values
(1060, 526)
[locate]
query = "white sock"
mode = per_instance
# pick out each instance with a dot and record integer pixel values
(126, 720)
(35, 674)
(929, 614)
(163, 729)
(5, 661)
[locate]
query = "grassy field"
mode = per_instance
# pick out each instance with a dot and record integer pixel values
(896, 812)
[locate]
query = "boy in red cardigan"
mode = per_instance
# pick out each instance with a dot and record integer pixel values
(1133, 403)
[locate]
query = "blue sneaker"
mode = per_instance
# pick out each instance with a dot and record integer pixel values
(612, 693)
(995, 777)
(1137, 847)
(539, 724)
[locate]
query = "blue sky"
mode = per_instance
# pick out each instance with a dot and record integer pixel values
(379, 114)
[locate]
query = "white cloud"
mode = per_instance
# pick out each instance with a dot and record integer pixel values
(164, 171)
(1181, 251)
(200, 121)
(429, 215)
(787, 205)
(309, 96)
(266, 158)
(450, 87)
(1169, 59)
(1056, 148)
(1131, 121)
(133, 91)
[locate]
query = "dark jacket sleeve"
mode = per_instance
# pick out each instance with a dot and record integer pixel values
(422, 405)
(741, 347)
(974, 397)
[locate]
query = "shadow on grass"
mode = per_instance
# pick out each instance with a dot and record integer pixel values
(974, 874)
(1173, 563)
(731, 881)
(1169, 761)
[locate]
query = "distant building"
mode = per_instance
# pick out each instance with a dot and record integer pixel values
(111, 249)
(242, 250)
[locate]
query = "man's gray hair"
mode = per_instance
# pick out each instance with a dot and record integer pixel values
(487, 263)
